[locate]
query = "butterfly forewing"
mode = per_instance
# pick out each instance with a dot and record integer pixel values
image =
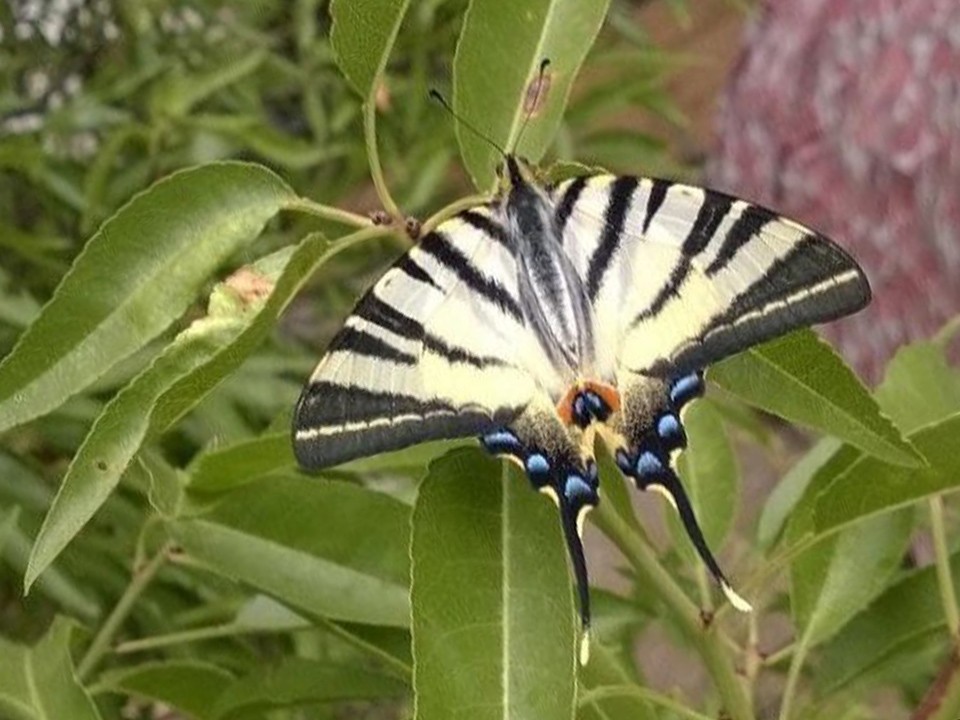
(436, 349)
(681, 277)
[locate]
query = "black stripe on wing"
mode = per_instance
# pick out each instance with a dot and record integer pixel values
(618, 204)
(814, 282)
(335, 423)
(713, 210)
(360, 342)
(750, 223)
(569, 201)
(438, 246)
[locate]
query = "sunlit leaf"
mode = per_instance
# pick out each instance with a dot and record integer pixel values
(495, 74)
(801, 379)
(134, 277)
(493, 620)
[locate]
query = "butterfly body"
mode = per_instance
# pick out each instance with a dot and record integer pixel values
(554, 315)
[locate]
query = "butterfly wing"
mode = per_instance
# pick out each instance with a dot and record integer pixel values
(436, 349)
(680, 277)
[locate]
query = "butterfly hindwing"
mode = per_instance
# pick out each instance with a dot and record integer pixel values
(436, 349)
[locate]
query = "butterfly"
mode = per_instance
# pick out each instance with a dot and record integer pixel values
(555, 315)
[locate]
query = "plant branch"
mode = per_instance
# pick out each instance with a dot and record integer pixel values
(373, 156)
(948, 596)
(452, 209)
(707, 640)
(306, 205)
(138, 583)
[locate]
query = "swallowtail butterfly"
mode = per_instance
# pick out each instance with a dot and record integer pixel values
(551, 315)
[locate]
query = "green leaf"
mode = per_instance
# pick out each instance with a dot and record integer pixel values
(838, 577)
(495, 73)
(909, 611)
(801, 379)
(40, 683)
(493, 619)
(225, 468)
(191, 686)
(827, 458)
(919, 387)
(869, 487)
(710, 476)
(362, 36)
(8, 525)
(604, 671)
(135, 276)
(327, 548)
(298, 681)
(193, 364)
(115, 438)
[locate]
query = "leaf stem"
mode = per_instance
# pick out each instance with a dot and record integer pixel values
(306, 205)
(793, 678)
(373, 156)
(948, 596)
(138, 583)
(179, 638)
(452, 209)
(404, 671)
(707, 640)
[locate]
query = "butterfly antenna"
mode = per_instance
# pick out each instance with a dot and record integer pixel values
(533, 104)
(435, 95)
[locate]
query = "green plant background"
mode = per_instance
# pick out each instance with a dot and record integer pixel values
(182, 228)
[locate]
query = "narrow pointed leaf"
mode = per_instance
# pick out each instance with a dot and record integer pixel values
(908, 612)
(495, 74)
(710, 476)
(836, 579)
(801, 379)
(190, 686)
(362, 36)
(493, 619)
(330, 549)
(298, 681)
(40, 683)
(135, 276)
(869, 487)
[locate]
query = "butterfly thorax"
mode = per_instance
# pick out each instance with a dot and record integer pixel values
(553, 298)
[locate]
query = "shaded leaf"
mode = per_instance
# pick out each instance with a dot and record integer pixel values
(801, 379)
(40, 683)
(191, 686)
(493, 620)
(327, 548)
(135, 276)
(495, 74)
(298, 681)
(907, 612)
(604, 670)
(362, 36)
(869, 487)
(838, 577)
(710, 476)
(825, 459)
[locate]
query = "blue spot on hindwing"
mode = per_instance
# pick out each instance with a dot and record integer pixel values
(668, 427)
(648, 464)
(537, 464)
(501, 441)
(576, 487)
(623, 462)
(685, 389)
